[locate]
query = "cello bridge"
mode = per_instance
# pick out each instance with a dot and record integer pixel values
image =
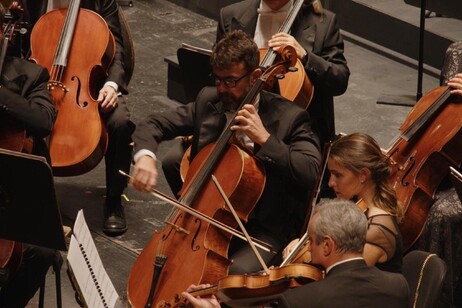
(177, 228)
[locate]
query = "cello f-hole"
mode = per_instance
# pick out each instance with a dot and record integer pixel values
(409, 166)
(195, 247)
(77, 94)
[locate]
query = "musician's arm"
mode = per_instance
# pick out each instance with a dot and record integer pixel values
(29, 100)
(110, 12)
(456, 84)
(328, 69)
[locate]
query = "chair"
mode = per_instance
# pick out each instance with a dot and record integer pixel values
(425, 273)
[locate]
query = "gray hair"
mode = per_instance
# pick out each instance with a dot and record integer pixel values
(344, 222)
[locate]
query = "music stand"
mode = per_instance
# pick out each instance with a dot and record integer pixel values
(456, 179)
(28, 209)
(420, 63)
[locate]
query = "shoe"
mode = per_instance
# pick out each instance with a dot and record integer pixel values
(114, 220)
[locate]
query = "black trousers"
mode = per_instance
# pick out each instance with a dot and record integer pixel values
(30, 276)
(119, 150)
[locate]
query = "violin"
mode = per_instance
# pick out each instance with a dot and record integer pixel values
(77, 48)
(257, 289)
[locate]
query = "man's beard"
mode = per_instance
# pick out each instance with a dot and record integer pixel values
(230, 101)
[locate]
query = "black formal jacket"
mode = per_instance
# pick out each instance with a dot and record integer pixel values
(108, 9)
(24, 96)
(326, 65)
(291, 154)
(351, 284)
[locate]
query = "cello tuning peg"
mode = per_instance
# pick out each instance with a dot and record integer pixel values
(279, 76)
(293, 69)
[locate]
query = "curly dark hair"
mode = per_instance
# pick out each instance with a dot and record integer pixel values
(235, 47)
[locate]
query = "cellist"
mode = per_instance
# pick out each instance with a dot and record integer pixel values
(277, 132)
(316, 37)
(338, 248)
(113, 108)
(24, 97)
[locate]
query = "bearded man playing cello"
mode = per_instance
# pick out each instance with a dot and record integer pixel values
(317, 40)
(277, 132)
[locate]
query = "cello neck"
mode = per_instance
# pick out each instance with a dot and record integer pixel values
(270, 56)
(221, 145)
(67, 33)
(426, 116)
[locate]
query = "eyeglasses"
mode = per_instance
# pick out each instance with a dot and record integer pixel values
(229, 82)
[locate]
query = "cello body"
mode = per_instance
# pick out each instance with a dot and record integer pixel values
(295, 86)
(79, 139)
(188, 240)
(431, 142)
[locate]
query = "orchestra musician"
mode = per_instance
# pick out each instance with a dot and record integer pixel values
(360, 171)
(445, 214)
(277, 132)
(316, 37)
(24, 97)
(337, 234)
(113, 108)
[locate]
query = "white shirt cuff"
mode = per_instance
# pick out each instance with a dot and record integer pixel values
(113, 85)
(144, 152)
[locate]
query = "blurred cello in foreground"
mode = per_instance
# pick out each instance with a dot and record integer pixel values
(12, 137)
(77, 48)
(430, 142)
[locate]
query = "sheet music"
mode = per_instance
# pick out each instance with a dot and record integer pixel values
(89, 272)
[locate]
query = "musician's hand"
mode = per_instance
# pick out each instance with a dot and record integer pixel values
(108, 98)
(280, 39)
(144, 175)
(289, 248)
(248, 121)
(198, 302)
(456, 84)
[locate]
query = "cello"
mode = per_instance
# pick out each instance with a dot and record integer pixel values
(77, 48)
(430, 142)
(189, 241)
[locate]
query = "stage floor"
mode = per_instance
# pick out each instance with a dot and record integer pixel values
(159, 27)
